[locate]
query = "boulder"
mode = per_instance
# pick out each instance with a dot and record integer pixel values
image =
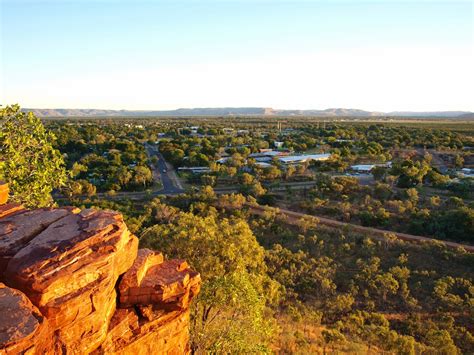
(166, 334)
(146, 258)
(65, 269)
(154, 281)
(23, 329)
(69, 271)
(17, 229)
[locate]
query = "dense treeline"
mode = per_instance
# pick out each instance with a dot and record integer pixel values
(103, 158)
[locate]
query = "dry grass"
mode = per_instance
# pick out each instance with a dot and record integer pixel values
(300, 337)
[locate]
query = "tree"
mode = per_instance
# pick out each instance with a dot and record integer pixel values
(307, 222)
(28, 161)
(441, 342)
(73, 188)
(208, 180)
(385, 285)
(78, 168)
(412, 195)
(435, 201)
(437, 179)
(332, 336)
(272, 173)
(251, 186)
(459, 161)
(142, 175)
(230, 315)
(233, 201)
(122, 176)
(290, 171)
(410, 173)
(88, 188)
(379, 172)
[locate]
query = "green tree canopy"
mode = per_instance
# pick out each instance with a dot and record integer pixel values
(28, 161)
(230, 315)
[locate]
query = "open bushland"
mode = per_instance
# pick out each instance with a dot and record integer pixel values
(308, 288)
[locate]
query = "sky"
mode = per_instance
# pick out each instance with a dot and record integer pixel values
(144, 55)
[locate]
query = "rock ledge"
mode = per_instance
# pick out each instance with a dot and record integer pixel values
(75, 282)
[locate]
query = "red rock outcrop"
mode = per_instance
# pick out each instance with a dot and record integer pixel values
(154, 281)
(62, 269)
(4, 190)
(19, 226)
(22, 327)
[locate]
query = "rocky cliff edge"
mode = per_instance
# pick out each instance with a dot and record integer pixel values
(75, 282)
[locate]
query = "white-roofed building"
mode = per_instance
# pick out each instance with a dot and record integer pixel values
(266, 155)
(222, 160)
(366, 168)
(300, 159)
(262, 164)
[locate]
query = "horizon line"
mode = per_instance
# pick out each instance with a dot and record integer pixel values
(240, 107)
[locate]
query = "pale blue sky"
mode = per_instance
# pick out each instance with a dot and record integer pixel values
(376, 55)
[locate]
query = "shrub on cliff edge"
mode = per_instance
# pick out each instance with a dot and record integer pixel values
(28, 161)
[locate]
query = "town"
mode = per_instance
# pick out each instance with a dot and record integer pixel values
(236, 177)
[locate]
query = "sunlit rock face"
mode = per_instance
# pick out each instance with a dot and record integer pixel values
(3, 192)
(75, 282)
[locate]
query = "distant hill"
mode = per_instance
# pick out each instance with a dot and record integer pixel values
(243, 111)
(432, 114)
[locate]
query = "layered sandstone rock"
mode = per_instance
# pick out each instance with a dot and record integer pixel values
(154, 281)
(62, 268)
(19, 226)
(9, 209)
(157, 294)
(22, 327)
(3, 192)
(130, 332)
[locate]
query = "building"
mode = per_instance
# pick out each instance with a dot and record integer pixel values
(466, 172)
(363, 168)
(266, 155)
(300, 159)
(222, 160)
(367, 168)
(262, 164)
(278, 144)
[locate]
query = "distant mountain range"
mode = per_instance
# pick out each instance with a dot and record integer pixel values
(244, 111)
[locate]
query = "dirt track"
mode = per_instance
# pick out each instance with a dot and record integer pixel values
(294, 217)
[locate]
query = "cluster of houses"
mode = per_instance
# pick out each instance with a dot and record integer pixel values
(194, 131)
(264, 158)
(268, 155)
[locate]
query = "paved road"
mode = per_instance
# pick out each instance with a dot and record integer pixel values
(164, 172)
